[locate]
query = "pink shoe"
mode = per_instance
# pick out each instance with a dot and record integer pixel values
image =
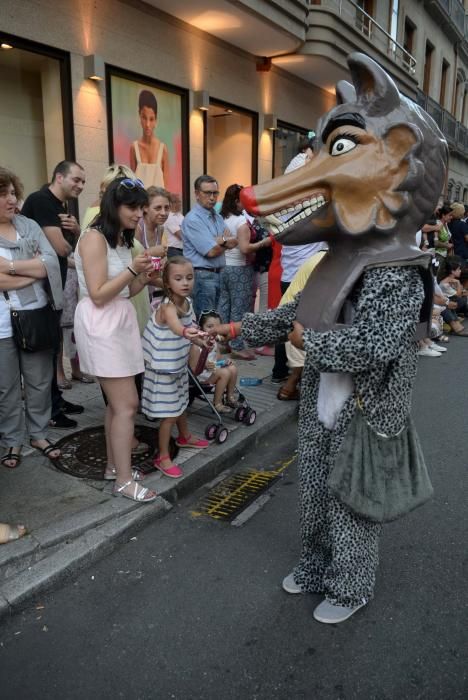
(173, 472)
(265, 350)
(194, 443)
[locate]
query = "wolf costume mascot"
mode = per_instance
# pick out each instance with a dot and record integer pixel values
(378, 169)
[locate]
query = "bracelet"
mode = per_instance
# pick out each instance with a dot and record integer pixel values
(130, 269)
(232, 330)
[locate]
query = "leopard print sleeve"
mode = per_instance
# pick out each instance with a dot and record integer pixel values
(387, 307)
(270, 327)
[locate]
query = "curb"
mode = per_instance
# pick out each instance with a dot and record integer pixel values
(56, 551)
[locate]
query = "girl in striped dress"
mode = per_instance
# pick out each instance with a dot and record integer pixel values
(166, 346)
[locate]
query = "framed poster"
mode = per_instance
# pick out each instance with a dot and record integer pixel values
(148, 129)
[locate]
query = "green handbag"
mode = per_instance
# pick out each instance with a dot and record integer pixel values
(380, 477)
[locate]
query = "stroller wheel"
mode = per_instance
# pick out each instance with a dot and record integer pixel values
(240, 414)
(210, 431)
(250, 417)
(221, 434)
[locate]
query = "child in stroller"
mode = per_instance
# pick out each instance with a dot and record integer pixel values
(218, 372)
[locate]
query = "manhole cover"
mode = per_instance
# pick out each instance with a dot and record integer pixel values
(84, 452)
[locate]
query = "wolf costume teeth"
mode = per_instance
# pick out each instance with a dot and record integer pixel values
(378, 169)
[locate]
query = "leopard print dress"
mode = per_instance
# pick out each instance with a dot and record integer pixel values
(340, 549)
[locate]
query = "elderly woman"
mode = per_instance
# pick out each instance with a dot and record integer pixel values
(27, 262)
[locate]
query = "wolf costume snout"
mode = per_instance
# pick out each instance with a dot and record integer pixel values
(378, 169)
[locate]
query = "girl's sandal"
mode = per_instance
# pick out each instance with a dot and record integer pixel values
(46, 451)
(8, 533)
(221, 408)
(193, 442)
(173, 472)
(140, 494)
(11, 456)
(110, 474)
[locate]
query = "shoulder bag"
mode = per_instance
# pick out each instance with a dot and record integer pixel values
(35, 330)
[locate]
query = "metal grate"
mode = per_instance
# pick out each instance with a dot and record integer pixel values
(230, 497)
(84, 452)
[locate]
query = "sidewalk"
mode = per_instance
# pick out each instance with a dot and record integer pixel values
(71, 521)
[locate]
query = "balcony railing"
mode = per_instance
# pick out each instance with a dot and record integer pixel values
(356, 17)
(455, 133)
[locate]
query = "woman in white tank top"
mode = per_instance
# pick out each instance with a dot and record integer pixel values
(106, 327)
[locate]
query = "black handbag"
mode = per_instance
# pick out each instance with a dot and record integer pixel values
(380, 477)
(35, 330)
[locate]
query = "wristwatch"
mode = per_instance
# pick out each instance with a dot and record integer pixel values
(12, 270)
(223, 244)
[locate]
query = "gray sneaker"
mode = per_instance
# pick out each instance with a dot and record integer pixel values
(333, 614)
(290, 586)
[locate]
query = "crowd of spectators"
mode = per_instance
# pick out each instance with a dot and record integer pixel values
(230, 254)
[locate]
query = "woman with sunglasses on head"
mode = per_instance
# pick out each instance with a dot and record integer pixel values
(106, 327)
(237, 277)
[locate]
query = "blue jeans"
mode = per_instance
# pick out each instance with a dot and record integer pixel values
(236, 297)
(205, 291)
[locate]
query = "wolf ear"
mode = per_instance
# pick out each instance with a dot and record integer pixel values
(344, 92)
(374, 87)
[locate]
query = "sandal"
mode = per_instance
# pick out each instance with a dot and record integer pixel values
(11, 456)
(461, 334)
(8, 533)
(190, 441)
(173, 472)
(139, 448)
(233, 401)
(64, 385)
(83, 379)
(46, 451)
(288, 394)
(110, 474)
(221, 408)
(140, 493)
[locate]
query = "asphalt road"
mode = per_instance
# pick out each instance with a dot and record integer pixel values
(193, 609)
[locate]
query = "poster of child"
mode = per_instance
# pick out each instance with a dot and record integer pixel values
(147, 132)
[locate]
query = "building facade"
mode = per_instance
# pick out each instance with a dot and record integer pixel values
(223, 86)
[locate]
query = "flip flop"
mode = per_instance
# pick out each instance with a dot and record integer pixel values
(10, 456)
(47, 450)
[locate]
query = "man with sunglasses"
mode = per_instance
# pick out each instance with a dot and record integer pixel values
(205, 238)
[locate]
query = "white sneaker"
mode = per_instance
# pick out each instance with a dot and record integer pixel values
(290, 586)
(428, 352)
(333, 614)
(437, 348)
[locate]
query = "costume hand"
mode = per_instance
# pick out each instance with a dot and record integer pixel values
(142, 263)
(296, 335)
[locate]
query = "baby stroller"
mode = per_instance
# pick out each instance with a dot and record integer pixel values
(242, 414)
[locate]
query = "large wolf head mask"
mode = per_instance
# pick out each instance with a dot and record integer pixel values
(378, 169)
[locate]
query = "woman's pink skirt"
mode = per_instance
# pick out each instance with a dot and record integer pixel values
(108, 339)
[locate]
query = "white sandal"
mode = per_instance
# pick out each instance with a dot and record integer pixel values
(110, 474)
(139, 492)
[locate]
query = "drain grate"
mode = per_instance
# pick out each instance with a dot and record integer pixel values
(84, 452)
(230, 497)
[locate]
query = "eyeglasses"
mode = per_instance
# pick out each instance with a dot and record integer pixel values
(130, 184)
(209, 193)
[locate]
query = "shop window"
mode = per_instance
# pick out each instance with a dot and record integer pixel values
(231, 138)
(287, 140)
(32, 135)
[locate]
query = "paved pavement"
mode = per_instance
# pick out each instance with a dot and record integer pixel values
(72, 521)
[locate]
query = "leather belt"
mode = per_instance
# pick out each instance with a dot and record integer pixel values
(209, 269)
